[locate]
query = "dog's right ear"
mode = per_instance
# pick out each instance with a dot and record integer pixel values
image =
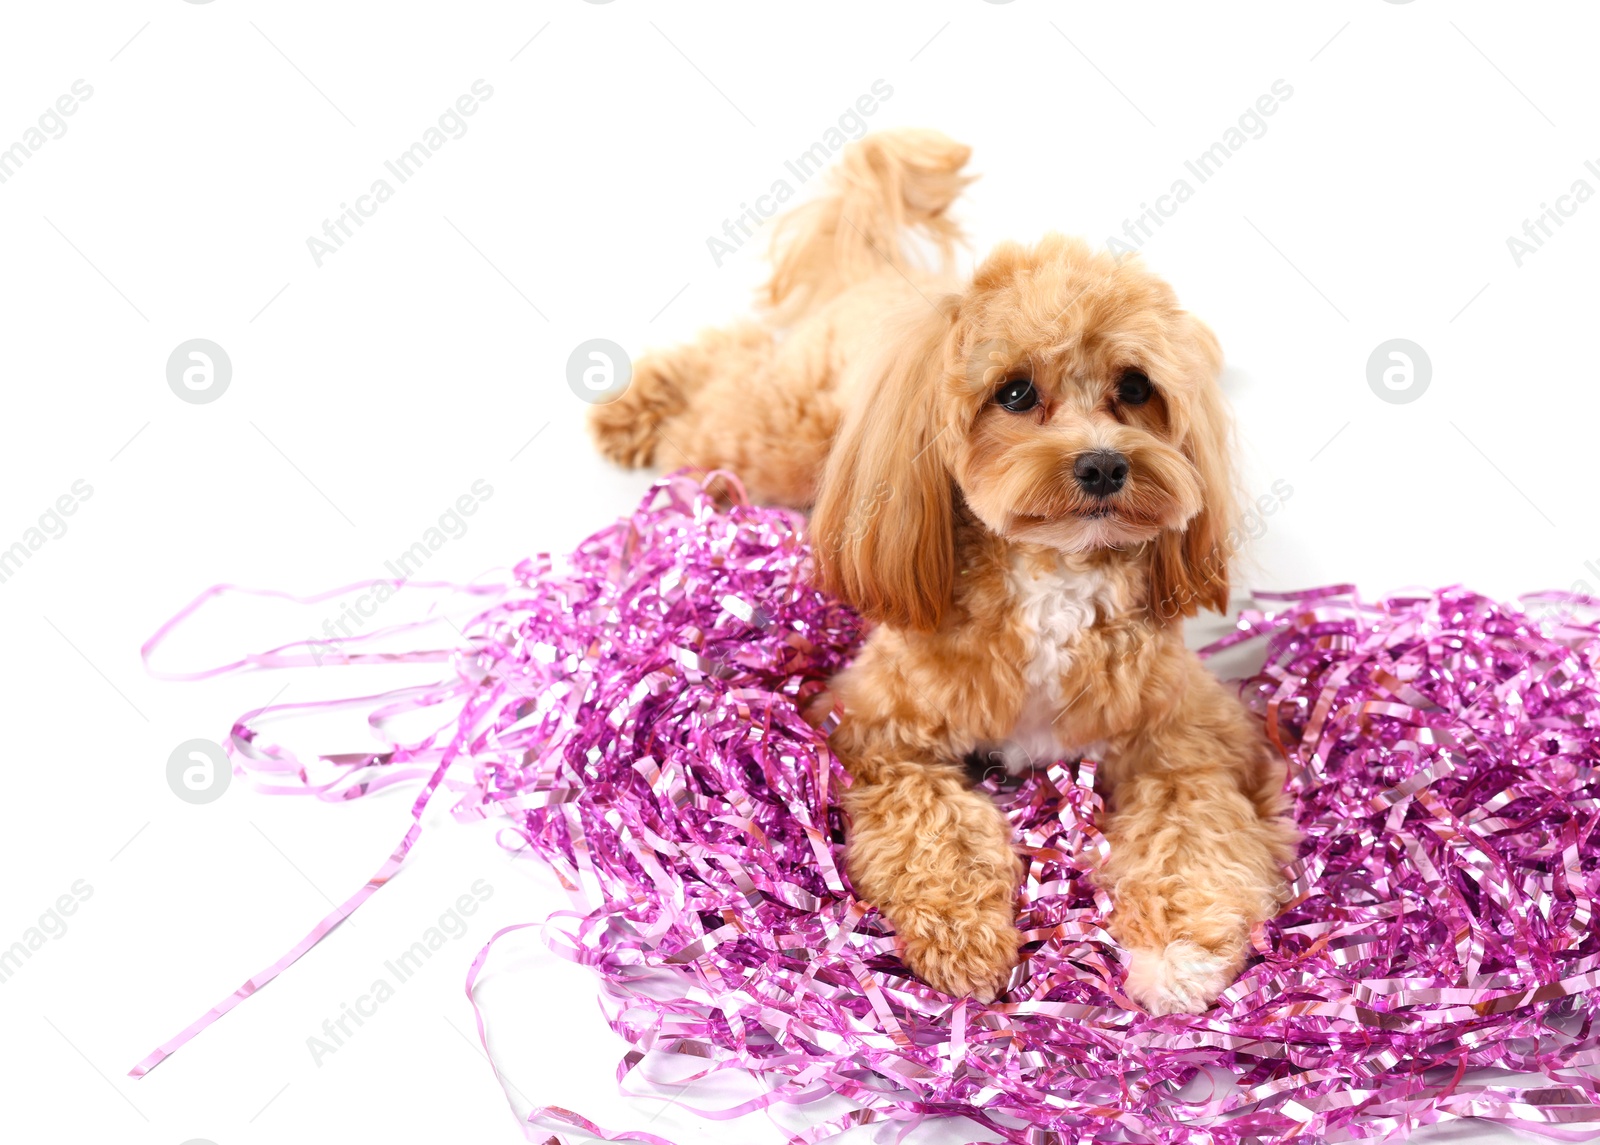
(883, 530)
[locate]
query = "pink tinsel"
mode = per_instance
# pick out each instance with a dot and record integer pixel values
(637, 716)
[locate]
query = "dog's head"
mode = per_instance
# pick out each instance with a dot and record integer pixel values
(1069, 401)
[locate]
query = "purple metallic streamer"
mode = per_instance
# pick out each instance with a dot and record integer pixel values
(638, 717)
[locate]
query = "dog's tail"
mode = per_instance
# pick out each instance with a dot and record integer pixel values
(884, 185)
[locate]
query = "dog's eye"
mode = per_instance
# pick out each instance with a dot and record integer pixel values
(1134, 388)
(1017, 395)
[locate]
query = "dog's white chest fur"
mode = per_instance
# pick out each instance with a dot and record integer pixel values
(1054, 605)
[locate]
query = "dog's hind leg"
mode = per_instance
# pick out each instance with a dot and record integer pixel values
(730, 400)
(640, 427)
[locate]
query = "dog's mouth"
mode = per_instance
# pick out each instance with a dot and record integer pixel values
(1081, 528)
(1088, 513)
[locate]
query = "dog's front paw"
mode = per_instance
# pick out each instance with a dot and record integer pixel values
(961, 952)
(1180, 978)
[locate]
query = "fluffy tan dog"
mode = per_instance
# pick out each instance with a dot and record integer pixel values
(1024, 479)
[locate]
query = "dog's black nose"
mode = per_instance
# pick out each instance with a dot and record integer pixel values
(1101, 473)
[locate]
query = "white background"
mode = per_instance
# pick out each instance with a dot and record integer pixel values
(370, 392)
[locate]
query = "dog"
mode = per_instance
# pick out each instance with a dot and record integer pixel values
(1023, 479)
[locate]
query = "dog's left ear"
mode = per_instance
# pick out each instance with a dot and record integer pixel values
(1190, 568)
(883, 529)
